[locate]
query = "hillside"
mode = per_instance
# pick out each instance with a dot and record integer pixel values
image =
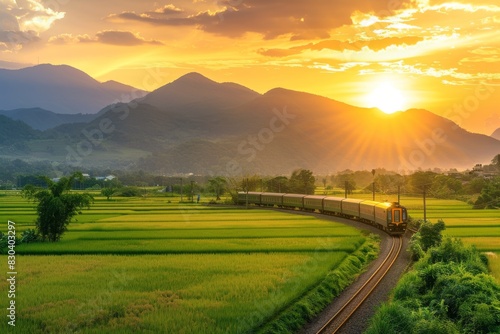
(196, 125)
(496, 134)
(41, 119)
(61, 89)
(283, 130)
(15, 132)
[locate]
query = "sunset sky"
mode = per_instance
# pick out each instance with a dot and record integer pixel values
(443, 56)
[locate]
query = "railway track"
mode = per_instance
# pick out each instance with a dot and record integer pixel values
(335, 323)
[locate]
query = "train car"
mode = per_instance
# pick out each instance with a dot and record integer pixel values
(272, 199)
(367, 210)
(314, 202)
(390, 217)
(293, 201)
(252, 197)
(350, 207)
(396, 218)
(333, 205)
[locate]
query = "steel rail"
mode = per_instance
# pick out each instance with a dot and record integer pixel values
(348, 309)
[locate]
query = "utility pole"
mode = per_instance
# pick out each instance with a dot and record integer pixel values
(192, 191)
(246, 189)
(425, 208)
(399, 193)
(373, 184)
(345, 189)
(181, 189)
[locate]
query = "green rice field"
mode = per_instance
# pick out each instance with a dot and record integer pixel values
(146, 265)
(477, 227)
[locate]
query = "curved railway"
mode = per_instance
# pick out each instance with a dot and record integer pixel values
(389, 217)
(335, 323)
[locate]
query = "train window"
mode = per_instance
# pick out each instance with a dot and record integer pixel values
(397, 216)
(389, 216)
(404, 215)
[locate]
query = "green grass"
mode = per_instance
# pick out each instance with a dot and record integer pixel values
(146, 265)
(477, 227)
(178, 294)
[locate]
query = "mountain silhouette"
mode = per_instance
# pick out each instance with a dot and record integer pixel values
(496, 134)
(196, 125)
(41, 119)
(59, 88)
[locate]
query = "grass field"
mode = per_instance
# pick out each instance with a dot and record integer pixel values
(146, 265)
(478, 227)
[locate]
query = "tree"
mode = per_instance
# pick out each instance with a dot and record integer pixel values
(490, 195)
(108, 192)
(218, 186)
(344, 180)
(496, 161)
(56, 205)
(302, 182)
(278, 184)
(430, 234)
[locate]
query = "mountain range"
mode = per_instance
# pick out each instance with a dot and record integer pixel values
(61, 89)
(196, 125)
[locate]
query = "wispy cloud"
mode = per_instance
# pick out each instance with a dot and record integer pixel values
(112, 37)
(273, 18)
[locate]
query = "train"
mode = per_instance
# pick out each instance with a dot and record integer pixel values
(390, 217)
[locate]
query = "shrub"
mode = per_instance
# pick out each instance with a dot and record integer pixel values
(29, 236)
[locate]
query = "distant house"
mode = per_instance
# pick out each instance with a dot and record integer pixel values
(105, 178)
(478, 168)
(486, 171)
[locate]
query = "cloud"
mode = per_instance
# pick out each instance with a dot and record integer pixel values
(112, 37)
(336, 45)
(271, 18)
(22, 21)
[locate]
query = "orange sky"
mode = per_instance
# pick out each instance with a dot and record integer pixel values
(443, 56)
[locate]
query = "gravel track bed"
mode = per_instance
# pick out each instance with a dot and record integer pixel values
(359, 322)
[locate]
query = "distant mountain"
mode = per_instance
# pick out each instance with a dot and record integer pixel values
(496, 134)
(196, 125)
(61, 89)
(15, 132)
(41, 119)
(198, 96)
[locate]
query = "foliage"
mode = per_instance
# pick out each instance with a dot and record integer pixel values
(420, 180)
(346, 181)
(449, 291)
(429, 235)
(29, 236)
(302, 181)
(56, 206)
(496, 161)
(278, 184)
(490, 196)
(108, 192)
(218, 186)
(131, 192)
(295, 316)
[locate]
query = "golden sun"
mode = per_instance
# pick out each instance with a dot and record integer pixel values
(386, 97)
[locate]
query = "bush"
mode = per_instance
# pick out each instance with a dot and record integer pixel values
(131, 192)
(449, 291)
(29, 236)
